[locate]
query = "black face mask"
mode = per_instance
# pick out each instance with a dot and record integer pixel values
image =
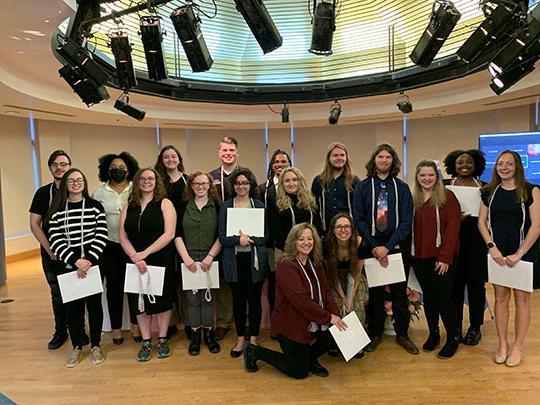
(117, 175)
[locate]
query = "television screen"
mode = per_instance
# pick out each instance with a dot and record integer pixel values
(526, 144)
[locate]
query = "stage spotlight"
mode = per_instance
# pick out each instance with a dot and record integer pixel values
(188, 28)
(79, 58)
(324, 25)
(122, 104)
(152, 38)
(404, 104)
(335, 112)
(285, 113)
(440, 26)
(504, 81)
(121, 49)
(89, 92)
(260, 23)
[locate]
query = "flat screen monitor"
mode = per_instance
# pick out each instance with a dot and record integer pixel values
(526, 144)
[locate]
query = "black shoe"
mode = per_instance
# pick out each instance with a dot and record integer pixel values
(210, 341)
(57, 340)
(118, 341)
(459, 336)
(432, 342)
(360, 354)
(171, 331)
(449, 349)
(85, 340)
(137, 339)
(235, 354)
(195, 343)
(317, 369)
(333, 352)
(372, 346)
(407, 344)
(472, 338)
(188, 331)
(250, 358)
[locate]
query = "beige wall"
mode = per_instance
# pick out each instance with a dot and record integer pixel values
(427, 138)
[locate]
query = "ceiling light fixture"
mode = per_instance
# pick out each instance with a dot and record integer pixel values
(152, 38)
(324, 25)
(335, 112)
(285, 113)
(404, 104)
(121, 49)
(122, 104)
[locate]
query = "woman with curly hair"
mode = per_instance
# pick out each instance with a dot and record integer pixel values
(116, 173)
(466, 167)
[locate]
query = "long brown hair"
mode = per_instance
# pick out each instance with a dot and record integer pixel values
(371, 169)
(159, 190)
(160, 167)
(331, 253)
(519, 177)
(61, 196)
(438, 195)
(305, 198)
(327, 175)
(212, 190)
(290, 250)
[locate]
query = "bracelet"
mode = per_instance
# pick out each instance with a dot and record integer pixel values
(211, 255)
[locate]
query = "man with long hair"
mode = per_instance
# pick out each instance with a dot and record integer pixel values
(333, 188)
(383, 213)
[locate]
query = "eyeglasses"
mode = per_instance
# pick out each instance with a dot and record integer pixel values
(63, 165)
(241, 183)
(147, 179)
(204, 185)
(75, 181)
(343, 227)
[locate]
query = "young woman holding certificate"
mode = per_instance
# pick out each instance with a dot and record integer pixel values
(245, 260)
(509, 222)
(78, 236)
(147, 227)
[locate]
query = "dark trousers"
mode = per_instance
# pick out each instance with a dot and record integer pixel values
(51, 269)
(245, 292)
(437, 294)
(75, 319)
(113, 268)
(296, 357)
(271, 290)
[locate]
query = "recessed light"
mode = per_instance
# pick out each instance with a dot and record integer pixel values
(35, 33)
(128, 125)
(12, 112)
(47, 21)
(27, 39)
(20, 52)
(59, 11)
(16, 38)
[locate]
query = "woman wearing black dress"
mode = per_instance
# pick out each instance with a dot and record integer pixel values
(147, 227)
(509, 222)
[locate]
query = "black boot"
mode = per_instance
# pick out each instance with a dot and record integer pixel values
(195, 343)
(210, 340)
(432, 341)
(449, 348)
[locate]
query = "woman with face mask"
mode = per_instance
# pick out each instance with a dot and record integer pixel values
(116, 173)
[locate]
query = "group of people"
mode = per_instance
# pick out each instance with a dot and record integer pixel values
(312, 252)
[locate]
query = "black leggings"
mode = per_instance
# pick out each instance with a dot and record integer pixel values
(245, 292)
(51, 268)
(297, 357)
(75, 319)
(437, 291)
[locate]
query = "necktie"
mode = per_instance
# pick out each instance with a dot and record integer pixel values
(381, 221)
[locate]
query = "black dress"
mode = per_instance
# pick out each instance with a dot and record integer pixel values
(506, 220)
(143, 229)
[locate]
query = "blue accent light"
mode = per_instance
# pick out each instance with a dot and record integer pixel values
(266, 143)
(32, 130)
(292, 145)
(404, 147)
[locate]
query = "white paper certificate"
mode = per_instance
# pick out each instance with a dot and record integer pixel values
(519, 277)
(72, 287)
(378, 275)
(351, 340)
(200, 280)
(149, 283)
(249, 220)
(469, 199)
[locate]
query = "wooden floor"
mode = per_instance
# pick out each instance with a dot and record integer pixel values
(31, 374)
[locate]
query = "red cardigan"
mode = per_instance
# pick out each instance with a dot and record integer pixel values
(425, 230)
(294, 309)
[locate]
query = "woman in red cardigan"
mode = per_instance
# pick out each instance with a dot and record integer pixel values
(437, 218)
(304, 309)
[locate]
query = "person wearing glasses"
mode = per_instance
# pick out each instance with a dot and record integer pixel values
(59, 162)
(147, 227)
(245, 260)
(78, 237)
(198, 245)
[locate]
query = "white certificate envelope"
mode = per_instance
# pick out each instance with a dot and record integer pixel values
(519, 277)
(149, 283)
(249, 220)
(72, 287)
(200, 280)
(413, 282)
(378, 275)
(469, 199)
(351, 340)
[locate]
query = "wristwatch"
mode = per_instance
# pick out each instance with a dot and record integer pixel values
(490, 245)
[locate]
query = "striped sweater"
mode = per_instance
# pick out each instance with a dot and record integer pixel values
(67, 226)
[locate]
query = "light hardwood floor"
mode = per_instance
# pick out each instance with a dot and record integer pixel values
(31, 374)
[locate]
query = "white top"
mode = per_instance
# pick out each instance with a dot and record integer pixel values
(113, 203)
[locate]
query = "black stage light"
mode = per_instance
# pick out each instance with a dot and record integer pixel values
(188, 28)
(324, 25)
(505, 80)
(285, 113)
(121, 49)
(260, 23)
(122, 104)
(79, 57)
(152, 38)
(89, 92)
(404, 104)
(440, 26)
(335, 112)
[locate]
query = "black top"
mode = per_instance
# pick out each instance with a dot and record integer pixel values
(175, 191)
(41, 202)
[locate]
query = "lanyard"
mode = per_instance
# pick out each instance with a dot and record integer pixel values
(66, 223)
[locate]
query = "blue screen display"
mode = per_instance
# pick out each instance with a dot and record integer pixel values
(526, 144)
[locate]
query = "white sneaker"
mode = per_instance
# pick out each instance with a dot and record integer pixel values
(74, 358)
(97, 355)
